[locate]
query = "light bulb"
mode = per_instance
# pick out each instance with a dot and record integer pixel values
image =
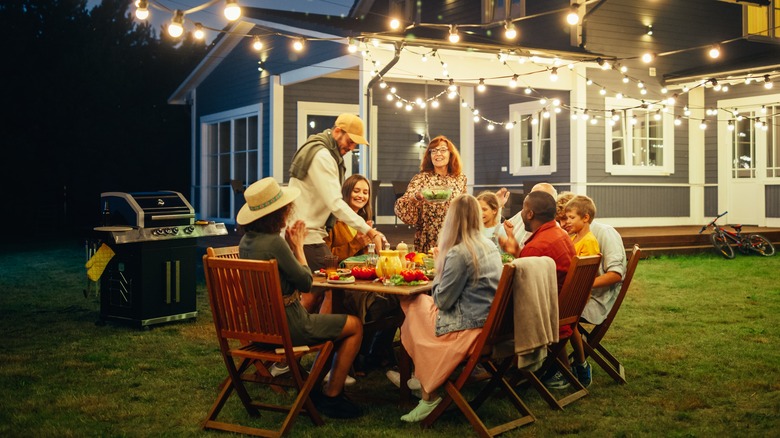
(731, 125)
(647, 58)
(573, 17)
(513, 81)
(554, 74)
(490, 127)
(142, 11)
(199, 34)
(481, 86)
(435, 103)
(257, 45)
(176, 28)
(678, 121)
(714, 51)
(510, 30)
(232, 10)
(703, 125)
(454, 36)
(352, 48)
(298, 45)
(767, 82)
(395, 23)
(527, 90)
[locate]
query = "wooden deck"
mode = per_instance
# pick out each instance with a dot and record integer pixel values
(653, 240)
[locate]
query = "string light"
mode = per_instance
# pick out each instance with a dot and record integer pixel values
(454, 36)
(298, 44)
(573, 17)
(142, 11)
(481, 85)
(232, 10)
(395, 23)
(199, 34)
(176, 27)
(554, 74)
(353, 46)
(510, 31)
(714, 51)
(257, 44)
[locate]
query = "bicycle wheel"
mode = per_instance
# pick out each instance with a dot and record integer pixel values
(761, 245)
(722, 245)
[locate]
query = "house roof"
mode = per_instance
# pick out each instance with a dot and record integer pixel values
(739, 58)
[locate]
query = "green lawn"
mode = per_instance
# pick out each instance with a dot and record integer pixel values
(698, 336)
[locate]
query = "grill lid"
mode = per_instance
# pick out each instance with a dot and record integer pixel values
(147, 209)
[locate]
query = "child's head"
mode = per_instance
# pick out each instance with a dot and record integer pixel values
(488, 204)
(356, 192)
(560, 204)
(580, 211)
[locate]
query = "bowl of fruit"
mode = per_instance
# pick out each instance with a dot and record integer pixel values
(436, 194)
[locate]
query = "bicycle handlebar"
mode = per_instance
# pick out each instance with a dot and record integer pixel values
(713, 221)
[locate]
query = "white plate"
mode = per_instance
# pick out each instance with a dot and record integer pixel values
(346, 281)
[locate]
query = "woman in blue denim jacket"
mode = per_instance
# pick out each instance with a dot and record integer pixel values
(440, 330)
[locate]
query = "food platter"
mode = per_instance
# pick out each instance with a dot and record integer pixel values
(342, 280)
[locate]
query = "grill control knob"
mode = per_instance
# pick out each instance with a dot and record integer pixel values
(189, 229)
(175, 230)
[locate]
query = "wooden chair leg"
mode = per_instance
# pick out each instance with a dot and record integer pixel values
(607, 362)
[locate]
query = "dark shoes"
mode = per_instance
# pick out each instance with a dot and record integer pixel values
(336, 407)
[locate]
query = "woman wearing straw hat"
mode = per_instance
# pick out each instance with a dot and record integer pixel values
(263, 217)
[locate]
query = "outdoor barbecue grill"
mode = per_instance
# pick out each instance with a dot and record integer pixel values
(151, 278)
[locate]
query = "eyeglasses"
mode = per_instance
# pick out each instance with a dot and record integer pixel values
(440, 151)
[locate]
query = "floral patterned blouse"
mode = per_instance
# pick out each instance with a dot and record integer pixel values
(425, 216)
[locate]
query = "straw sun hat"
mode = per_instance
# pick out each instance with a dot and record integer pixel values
(264, 197)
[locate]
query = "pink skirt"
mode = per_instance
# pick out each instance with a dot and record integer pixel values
(434, 357)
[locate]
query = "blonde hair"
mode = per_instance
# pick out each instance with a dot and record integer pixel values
(560, 205)
(582, 205)
(463, 224)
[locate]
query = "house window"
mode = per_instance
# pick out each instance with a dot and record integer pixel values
(231, 160)
(762, 21)
(772, 140)
(743, 143)
(532, 143)
(640, 141)
(496, 10)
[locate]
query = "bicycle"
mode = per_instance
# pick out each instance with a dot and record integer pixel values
(723, 239)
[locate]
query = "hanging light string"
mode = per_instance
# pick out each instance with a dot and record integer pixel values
(553, 105)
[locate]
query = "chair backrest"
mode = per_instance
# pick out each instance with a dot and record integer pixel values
(598, 332)
(499, 326)
(246, 300)
(229, 252)
(576, 288)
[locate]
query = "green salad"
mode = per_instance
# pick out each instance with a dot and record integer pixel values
(436, 194)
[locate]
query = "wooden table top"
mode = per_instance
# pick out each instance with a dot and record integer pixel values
(372, 286)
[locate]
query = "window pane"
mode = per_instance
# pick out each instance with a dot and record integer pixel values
(773, 142)
(526, 143)
(224, 138)
(743, 150)
(544, 143)
(239, 134)
(618, 153)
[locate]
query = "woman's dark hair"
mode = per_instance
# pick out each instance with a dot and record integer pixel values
(272, 223)
(346, 191)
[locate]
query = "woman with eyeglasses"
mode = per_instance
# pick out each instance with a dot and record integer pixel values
(440, 167)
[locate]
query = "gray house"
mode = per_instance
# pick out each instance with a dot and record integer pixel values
(671, 139)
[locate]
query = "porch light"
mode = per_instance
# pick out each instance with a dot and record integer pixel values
(232, 10)
(176, 28)
(649, 30)
(142, 11)
(199, 34)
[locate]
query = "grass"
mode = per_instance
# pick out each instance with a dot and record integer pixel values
(697, 334)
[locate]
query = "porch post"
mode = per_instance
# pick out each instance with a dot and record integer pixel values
(276, 124)
(578, 143)
(696, 162)
(467, 137)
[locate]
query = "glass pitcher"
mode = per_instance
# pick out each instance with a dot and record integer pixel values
(388, 264)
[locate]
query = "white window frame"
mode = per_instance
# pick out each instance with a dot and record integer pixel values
(206, 186)
(625, 108)
(526, 111)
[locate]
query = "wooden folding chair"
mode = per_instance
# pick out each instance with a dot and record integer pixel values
(251, 327)
(571, 302)
(591, 340)
(498, 328)
(228, 252)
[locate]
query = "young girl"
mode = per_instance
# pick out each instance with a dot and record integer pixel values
(489, 205)
(343, 240)
(440, 329)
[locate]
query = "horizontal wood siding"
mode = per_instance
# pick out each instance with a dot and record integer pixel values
(772, 201)
(640, 201)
